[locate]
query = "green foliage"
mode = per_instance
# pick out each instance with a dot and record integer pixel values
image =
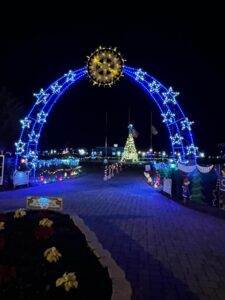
(196, 189)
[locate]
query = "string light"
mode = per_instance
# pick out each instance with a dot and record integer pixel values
(41, 97)
(25, 123)
(70, 76)
(20, 147)
(33, 137)
(154, 87)
(186, 124)
(170, 96)
(192, 149)
(56, 88)
(168, 117)
(41, 117)
(176, 139)
(139, 75)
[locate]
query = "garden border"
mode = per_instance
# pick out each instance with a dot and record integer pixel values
(121, 288)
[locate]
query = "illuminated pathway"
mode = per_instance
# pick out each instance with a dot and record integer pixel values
(168, 251)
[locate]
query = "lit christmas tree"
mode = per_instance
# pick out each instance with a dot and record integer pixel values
(130, 152)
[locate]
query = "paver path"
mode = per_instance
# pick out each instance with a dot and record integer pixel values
(168, 251)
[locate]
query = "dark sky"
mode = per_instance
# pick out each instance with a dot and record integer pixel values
(181, 49)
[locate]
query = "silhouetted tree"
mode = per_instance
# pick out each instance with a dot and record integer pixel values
(11, 111)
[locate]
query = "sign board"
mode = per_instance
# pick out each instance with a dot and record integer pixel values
(20, 178)
(2, 158)
(147, 168)
(42, 202)
(167, 186)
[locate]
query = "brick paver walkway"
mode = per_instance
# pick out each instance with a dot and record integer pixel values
(168, 251)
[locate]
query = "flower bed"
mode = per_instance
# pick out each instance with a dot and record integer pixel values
(43, 255)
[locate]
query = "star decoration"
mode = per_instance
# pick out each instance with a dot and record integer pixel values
(170, 96)
(176, 139)
(41, 117)
(154, 87)
(191, 149)
(139, 75)
(25, 123)
(19, 147)
(33, 137)
(41, 97)
(70, 76)
(56, 88)
(168, 117)
(186, 124)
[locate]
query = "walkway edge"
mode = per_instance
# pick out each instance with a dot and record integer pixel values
(121, 288)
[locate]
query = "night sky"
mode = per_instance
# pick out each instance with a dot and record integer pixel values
(183, 50)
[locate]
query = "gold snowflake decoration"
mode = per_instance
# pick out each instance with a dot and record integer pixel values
(105, 66)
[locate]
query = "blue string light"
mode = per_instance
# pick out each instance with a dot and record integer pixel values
(186, 124)
(154, 87)
(168, 117)
(170, 96)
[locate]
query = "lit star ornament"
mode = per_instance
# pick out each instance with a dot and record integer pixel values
(191, 149)
(168, 117)
(154, 87)
(25, 123)
(41, 117)
(41, 96)
(20, 147)
(56, 88)
(33, 137)
(105, 66)
(176, 139)
(139, 75)
(186, 124)
(70, 76)
(170, 96)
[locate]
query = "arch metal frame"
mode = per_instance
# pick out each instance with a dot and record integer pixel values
(178, 125)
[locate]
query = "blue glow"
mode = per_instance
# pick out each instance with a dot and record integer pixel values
(178, 125)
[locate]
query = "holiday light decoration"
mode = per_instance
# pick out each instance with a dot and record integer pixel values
(41, 97)
(56, 88)
(170, 96)
(139, 75)
(130, 152)
(186, 124)
(168, 117)
(105, 66)
(192, 149)
(41, 117)
(25, 123)
(176, 139)
(154, 87)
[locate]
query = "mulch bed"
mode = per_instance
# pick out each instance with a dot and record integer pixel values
(26, 274)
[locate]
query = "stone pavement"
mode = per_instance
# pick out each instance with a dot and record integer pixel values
(168, 251)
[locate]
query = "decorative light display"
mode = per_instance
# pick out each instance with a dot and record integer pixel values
(170, 96)
(41, 97)
(139, 75)
(154, 87)
(176, 139)
(192, 149)
(20, 147)
(70, 76)
(56, 88)
(105, 66)
(25, 123)
(186, 124)
(130, 152)
(168, 117)
(33, 137)
(41, 117)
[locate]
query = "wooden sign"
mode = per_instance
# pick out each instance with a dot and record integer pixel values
(42, 202)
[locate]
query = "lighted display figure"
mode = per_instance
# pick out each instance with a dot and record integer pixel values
(130, 152)
(104, 67)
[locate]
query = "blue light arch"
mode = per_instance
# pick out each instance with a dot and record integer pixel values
(178, 125)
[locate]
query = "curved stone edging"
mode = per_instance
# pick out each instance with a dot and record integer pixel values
(121, 288)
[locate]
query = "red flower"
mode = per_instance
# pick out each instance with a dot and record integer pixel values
(7, 273)
(43, 233)
(2, 243)
(3, 217)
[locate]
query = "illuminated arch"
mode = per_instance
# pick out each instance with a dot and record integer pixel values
(178, 125)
